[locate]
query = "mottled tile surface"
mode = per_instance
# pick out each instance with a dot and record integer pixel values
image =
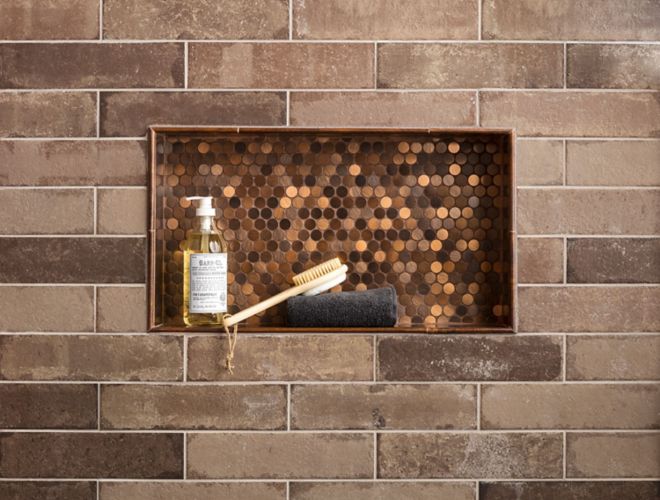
(573, 490)
(540, 260)
(51, 20)
(179, 490)
(121, 309)
(122, 211)
(539, 162)
(390, 490)
(48, 490)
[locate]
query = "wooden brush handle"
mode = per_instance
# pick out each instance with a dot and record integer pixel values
(282, 296)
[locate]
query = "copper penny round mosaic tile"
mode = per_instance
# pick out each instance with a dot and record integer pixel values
(425, 212)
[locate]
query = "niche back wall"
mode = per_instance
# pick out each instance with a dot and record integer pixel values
(93, 407)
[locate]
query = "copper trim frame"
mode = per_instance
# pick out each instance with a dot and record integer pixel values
(157, 270)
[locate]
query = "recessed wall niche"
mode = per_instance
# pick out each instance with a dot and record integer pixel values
(430, 212)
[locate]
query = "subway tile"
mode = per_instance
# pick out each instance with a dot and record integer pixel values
(47, 114)
(613, 455)
(574, 406)
(280, 456)
(386, 109)
(48, 490)
(195, 19)
(569, 490)
(130, 113)
(74, 260)
(91, 357)
(122, 211)
(55, 19)
(588, 309)
(121, 309)
(281, 65)
(588, 211)
(478, 358)
(573, 113)
(91, 455)
(198, 490)
(540, 260)
(235, 407)
(442, 65)
(91, 65)
(613, 260)
(457, 456)
(290, 357)
(571, 20)
(384, 19)
(613, 163)
(613, 357)
(539, 162)
(73, 163)
(48, 406)
(47, 309)
(613, 66)
(389, 490)
(47, 211)
(381, 406)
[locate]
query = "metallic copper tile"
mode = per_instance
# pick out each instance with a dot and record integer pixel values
(425, 212)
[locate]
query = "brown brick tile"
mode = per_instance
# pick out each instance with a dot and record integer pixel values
(588, 211)
(383, 406)
(180, 490)
(573, 113)
(381, 491)
(91, 357)
(129, 114)
(574, 406)
(239, 407)
(55, 19)
(73, 163)
(291, 357)
(540, 260)
(121, 309)
(48, 490)
(613, 455)
(613, 163)
(281, 65)
(47, 309)
(386, 109)
(280, 455)
(613, 357)
(571, 20)
(436, 65)
(47, 114)
(122, 211)
(74, 260)
(588, 309)
(613, 260)
(91, 455)
(539, 162)
(195, 19)
(569, 490)
(383, 19)
(47, 211)
(483, 455)
(48, 406)
(439, 357)
(91, 65)
(613, 66)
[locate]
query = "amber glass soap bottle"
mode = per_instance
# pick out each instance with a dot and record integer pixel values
(204, 269)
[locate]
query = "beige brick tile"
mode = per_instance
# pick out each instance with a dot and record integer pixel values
(185, 490)
(29, 490)
(540, 260)
(539, 162)
(122, 211)
(602, 490)
(55, 19)
(389, 490)
(121, 309)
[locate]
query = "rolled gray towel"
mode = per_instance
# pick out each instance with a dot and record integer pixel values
(371, 308)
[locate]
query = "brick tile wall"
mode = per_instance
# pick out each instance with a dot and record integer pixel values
(91, 407)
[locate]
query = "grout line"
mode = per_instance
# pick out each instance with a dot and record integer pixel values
(565, 66)
(478, 407)
(98, 114)
(290, 19)
(563, 360)
(374, 355)
(577, 236)
(565, 169)
(479, 19)
(288, 108)
(100, 19)
(375, 455)
(375, 65)
(98, 493)
(288, 490)
(564, 455)
(472, 41)
(34, 188)
(565, 260)
(185, 358)
(94, 311)
(503, 479)
(185, 65)
(476, 490)
(477, 108)
(185, 454)
(288, 407)
(98, 406)
(96, 210)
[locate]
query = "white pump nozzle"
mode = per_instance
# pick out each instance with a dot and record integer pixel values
(205, 206)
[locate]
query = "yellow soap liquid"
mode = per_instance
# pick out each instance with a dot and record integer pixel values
(205, 239)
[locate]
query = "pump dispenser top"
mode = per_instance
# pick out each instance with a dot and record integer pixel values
(204, 207)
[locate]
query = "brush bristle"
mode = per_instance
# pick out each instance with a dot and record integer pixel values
(317, 271)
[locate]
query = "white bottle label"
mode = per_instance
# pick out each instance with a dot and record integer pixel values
(208, 283)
